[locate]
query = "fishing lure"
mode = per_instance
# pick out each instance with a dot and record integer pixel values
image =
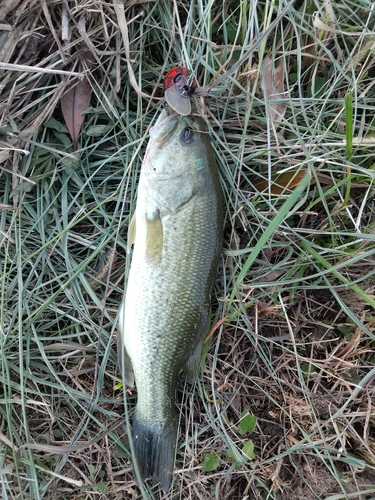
(179, 86)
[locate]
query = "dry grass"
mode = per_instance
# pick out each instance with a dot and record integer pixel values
(296, 284)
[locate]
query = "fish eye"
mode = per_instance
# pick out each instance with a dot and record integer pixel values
(187, 135)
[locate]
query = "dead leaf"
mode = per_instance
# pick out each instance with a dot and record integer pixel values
(77, 99)
(73, 102)
(280, 182)
(320, 25)
(273, 86)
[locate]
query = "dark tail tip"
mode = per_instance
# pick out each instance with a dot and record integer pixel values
(154, 449)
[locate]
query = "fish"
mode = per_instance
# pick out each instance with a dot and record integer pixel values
(177, 231)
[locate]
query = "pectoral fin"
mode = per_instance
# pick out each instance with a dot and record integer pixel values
(154, 237)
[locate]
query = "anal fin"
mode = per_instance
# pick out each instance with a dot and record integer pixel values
(123, 358)
(131, 233)
(190, 368)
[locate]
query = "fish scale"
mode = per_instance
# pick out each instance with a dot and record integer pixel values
(177, 233)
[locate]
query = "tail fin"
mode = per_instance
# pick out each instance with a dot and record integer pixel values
(154, 449)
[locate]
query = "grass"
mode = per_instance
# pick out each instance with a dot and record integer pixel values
(292, 349)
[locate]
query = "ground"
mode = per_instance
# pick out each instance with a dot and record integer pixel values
(283, 405)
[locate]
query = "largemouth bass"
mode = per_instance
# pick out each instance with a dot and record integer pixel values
(177, 236)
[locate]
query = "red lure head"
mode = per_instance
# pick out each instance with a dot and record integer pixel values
(179, 85)
(181, 78)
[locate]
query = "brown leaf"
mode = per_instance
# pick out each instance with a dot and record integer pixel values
(274, 88)
(73, 102)
(280, 182)
(77, 99)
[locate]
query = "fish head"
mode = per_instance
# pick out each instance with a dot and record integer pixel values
(179, 146)
(178, 162)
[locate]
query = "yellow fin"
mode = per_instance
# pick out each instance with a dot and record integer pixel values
(154, 238)
(131, 233)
